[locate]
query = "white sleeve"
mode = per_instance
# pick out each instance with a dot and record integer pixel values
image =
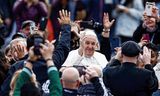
(72, 59)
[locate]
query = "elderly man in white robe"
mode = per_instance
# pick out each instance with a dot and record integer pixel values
(86, 54)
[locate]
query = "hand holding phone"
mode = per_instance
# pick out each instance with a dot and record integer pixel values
(150, 9)
(146, 37)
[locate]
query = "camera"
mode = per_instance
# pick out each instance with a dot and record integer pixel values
(80, 69)
(37, 41)
(98, 27)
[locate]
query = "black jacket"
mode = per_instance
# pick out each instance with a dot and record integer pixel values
(128, 80)
(69, 92)
(93, 89)
(137, 35)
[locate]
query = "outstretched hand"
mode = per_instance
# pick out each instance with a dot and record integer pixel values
(64, 17)
(106, 23)
(146, 55)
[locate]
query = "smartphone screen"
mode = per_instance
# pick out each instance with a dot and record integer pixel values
(37, 42)
(148, 8)
(146, 37)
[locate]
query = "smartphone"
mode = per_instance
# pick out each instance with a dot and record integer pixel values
(86, 24)
(146, 37)
(37, 41)
(149, 8)
(43, 23)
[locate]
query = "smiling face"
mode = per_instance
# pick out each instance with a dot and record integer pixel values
(150, 22)
(89, 44)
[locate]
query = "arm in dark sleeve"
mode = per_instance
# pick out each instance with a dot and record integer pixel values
(137, 35)
(5, 87)
(98, 86)
(153, 81)
(63, 47)
(113, 62)
(105, 47)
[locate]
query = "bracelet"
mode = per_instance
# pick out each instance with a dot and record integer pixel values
(49, 59)
(106, 30)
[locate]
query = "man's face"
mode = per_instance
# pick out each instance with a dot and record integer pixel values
(26, 30)
(150, 22)
(89, 45)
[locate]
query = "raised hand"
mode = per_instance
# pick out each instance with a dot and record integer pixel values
(90, 73)
(19, 51)
(146, 55)
(106, 23)
(64, 17)
(47, 49)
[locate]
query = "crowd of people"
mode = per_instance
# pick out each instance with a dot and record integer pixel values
(68, 48)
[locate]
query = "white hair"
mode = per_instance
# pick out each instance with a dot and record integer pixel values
(89, 32)
(19, 40)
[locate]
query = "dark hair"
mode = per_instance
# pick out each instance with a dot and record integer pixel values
(152, 47)
(3, 59)
(7, 49)
(1, 41)
(4, 67)
(29, 89)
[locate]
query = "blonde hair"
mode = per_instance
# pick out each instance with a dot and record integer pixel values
(13, 81)
(18, 40)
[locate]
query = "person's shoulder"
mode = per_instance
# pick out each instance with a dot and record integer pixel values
(73, 51)
(144, 71)
(18, 64)
(98, 54)
(111, 70)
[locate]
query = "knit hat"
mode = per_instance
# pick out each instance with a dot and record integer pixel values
(130, 49)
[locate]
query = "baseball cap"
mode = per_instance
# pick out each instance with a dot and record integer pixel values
(19, 35)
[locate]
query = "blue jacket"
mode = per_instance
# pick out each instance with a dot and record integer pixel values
(39, 67)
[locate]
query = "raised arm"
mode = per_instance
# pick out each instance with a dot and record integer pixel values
(63, 47)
